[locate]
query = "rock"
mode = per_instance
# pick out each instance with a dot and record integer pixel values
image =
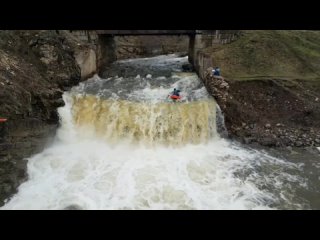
(4, 158)
(87, 62)
(279, 124)
(298, 143)
(268, 141)
(5, 188)
(187, 67)
(224, 85)
(149, 76)
(307, 111)
(33, 93)
(318, 148)
(289, 148)
(248, 140)
(58, 103)
(317, 140)
(5, 146)
(217, 87)
(268, 125)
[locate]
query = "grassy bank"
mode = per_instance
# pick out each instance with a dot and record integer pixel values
(270, 54)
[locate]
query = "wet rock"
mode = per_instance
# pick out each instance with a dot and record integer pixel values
(30, 98)
(218, 87)
(268, 141)
(58, 103)
(187, 67)
(248, 140)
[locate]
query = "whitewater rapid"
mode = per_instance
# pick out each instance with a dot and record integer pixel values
(118, 148)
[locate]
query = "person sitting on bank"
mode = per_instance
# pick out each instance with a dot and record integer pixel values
(216, 72)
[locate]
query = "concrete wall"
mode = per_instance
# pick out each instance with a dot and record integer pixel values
(86, 36)
(106, 53)
(87, 61)
(106, 47)
(206, 39)
(149, 45)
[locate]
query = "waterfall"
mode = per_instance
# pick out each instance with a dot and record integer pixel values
(123, 144)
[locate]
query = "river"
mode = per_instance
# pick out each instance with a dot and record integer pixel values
(123, 144)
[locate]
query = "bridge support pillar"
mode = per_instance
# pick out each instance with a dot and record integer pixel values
(196, 44)
(106, 51)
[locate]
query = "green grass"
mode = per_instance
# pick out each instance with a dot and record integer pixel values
(270, 54)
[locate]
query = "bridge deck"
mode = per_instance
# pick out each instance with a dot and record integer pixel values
(146, 32)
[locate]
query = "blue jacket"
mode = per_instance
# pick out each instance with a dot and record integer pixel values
(176, 92)
(217, 72)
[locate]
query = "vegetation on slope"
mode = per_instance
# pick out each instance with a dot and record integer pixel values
(270, 54)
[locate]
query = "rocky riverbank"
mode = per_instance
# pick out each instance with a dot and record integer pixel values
(35, 68)
(273, 112)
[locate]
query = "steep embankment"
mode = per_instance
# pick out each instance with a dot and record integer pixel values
(35, 68)
(274, 83)
(270, 54)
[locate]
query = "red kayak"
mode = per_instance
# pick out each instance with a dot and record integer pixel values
(175, 97)
(3, 119)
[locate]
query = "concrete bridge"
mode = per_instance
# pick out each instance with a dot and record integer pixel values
(198, 40)
(145, 32)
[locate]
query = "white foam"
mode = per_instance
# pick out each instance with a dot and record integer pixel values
(96, 175)
(93, 174)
